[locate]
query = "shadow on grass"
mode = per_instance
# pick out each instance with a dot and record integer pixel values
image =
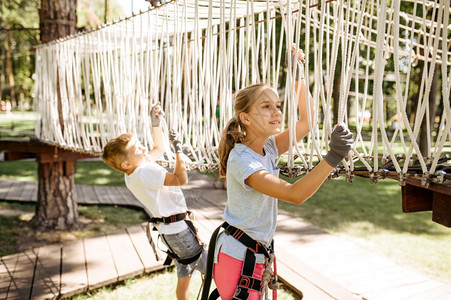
(338, 204)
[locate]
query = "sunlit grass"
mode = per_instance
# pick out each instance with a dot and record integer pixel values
(372, 214)
(159, 285)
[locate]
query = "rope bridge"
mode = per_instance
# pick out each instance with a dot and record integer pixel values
(191, 56)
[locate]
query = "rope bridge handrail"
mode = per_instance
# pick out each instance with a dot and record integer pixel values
(191, 56)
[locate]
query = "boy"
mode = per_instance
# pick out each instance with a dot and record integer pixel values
(160, 193)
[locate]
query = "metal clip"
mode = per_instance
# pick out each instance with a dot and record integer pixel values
(426, 180)
(438, 177)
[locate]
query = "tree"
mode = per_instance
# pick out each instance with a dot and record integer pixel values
(18, 34)
(56, 206)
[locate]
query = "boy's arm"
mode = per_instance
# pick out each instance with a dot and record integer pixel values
(179, 176)
(158, 145)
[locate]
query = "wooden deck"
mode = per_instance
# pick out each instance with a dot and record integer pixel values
(321, 265)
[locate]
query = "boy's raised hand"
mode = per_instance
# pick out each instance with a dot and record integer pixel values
(155, 115)
(340, 143)
(175, 142)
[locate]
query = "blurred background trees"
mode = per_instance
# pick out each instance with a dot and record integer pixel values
(20, 32)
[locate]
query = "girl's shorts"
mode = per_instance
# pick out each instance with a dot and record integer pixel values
(186, 245)
(227, 273)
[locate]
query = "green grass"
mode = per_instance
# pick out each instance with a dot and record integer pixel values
(155, 286)
(17, 235)
(87, 172)
(17, 124)
(371, 214)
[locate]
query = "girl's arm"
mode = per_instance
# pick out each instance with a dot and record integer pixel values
(296, 193)
(302, 127)
(341, 141)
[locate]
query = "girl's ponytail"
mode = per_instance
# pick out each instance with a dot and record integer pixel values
(233, 133)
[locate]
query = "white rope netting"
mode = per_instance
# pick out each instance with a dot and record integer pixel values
(190, 56)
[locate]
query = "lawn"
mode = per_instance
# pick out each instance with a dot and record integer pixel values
(369, 214)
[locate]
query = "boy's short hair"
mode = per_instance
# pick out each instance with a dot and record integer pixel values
(114, 152)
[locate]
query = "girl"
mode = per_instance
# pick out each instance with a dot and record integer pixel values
(251, 142)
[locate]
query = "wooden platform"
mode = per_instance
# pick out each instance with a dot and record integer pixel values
(321, 265)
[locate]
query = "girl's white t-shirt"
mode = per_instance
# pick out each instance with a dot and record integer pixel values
(147, 185)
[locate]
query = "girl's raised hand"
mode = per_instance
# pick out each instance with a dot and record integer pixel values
(297, 61)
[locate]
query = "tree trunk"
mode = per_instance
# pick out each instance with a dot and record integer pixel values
(424, 132)
(56, 207)
(9, 66)
(2, 74)
(336, 96)
(57, 19)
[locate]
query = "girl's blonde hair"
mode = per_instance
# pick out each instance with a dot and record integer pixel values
(234, 132)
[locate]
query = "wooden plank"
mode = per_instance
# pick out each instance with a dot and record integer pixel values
(125, 257)
(27, 190)
(23, 275)
(416, 198)
(157, 245)
(408, 291)
(5, 185)
(74, 278)
(116, 197)
(132, 199)
(15, 191)
(46, 283)
(7, 267)
(30, 192)
(99, 262)
(442, 292)
(441, 209)
(144, 250)
(102, 194)
(299, 271)
(79, 194)
(129, 197)
(288, 277)
(90, 197)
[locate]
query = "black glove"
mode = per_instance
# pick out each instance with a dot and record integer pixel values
(341, 141)
(155, 115)
(296, 62)
(175, 142)
(155, 3)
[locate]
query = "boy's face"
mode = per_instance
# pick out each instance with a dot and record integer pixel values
(136, 153)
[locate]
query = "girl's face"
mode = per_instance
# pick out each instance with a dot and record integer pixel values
(265, 115)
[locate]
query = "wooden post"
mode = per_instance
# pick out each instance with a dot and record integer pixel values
(56, 207)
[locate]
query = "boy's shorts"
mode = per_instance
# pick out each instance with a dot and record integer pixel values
(186, 245)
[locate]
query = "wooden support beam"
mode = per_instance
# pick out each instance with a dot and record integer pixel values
(436, 197)
(416, 199)
(45, 153)
(441, 209)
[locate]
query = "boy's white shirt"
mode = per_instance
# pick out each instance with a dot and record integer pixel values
(147, 185)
